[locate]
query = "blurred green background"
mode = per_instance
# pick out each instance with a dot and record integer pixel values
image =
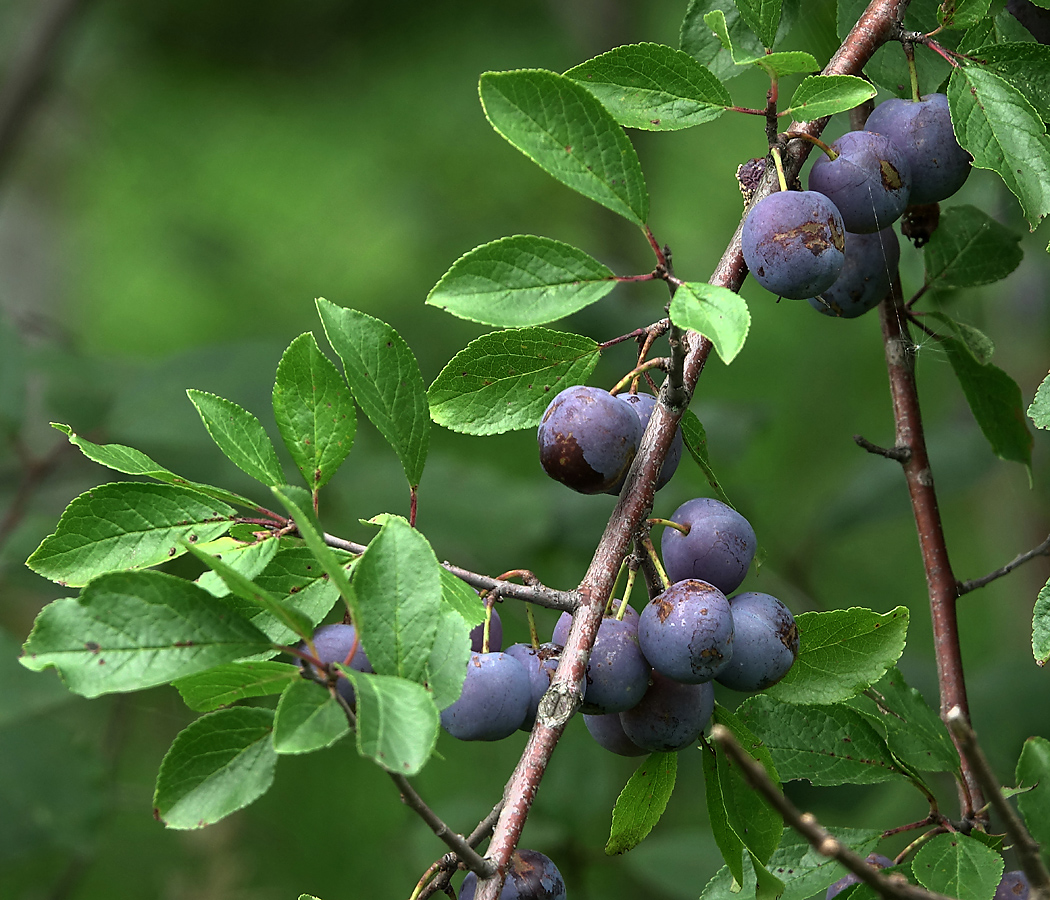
(197, 174)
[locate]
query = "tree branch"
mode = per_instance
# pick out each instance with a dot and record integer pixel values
(1042, 550)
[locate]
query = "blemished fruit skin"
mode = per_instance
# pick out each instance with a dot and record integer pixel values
(643, 405)
(588, 439)
(333, 643)
(871, 260)
(540, 662)
(923, 131)
(793, 243)
(477, 635)
(869, 181)
(765, 643)
(718, 548)
(671, 716)
(494, 701)
(873, 859)
(608, 733)
(530, 876)
(1013, 886)
(686, 633)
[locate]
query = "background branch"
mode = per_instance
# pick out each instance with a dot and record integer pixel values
(1042, 550)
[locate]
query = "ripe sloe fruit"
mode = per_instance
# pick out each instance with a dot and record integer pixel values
(793, 243)
(869, 181)
(477, 635)
(588, 439)
(765, 643)
(540, 662)
(686, 632)
(718, 548)
(617, 672)
(874, 859)
(643, 405)
(608, 732)
(1013, 886)
(530, 876)
(671, 716)
(923, 131)
(561, 629)
(871, 260)
(494, 701)
(333, 643)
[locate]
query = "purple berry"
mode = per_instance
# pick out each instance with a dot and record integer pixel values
(494, 701)
(530, 876)
(671, 716)
(333, 644)
(477, 635)
(588, 439)
(871, 261)
(718, 548)
(561, 629)
(793, 243)
(869, 181)
(874, 859)
(643, 405)
(923, 131)
(686, 632)
(617, 672)
(1014, 886)
(540, 662)
(765, 643)
(608, 732)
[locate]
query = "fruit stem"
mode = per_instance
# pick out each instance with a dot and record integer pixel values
(647, 542)
(677, 526)
(488, 622)
(533, 634)
(635, 372)
(909, 52)
(815, 141)
(780, 167)
(632, 573)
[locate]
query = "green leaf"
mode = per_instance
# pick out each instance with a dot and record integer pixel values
(239, 435)
(717, 313)
(504, 381)
(226, 684)
(447, 665)
(695, 438)
(996, 403)
(462, 598)
(826, 745)
(978, 344)
(1025, 66)
(314, 411)
(642, 802)
(215, 766)
(700, 40)
(249, 559)
(1039, 408)
(308, 718)
(521, 280)
(914, 732)
(805, 872)
(1003, 132)
(841, 653)
(133, 630)
(1041, 626)
(958, 866)
(565, 130)
(825, 95)
(962, 13)
(246, 589)
(126, 525)
(1033, 772)
(740, 818)
(385, 380)
(296, 576)
(653, 87)
(969, 248)
(397, 721)
(762, 17)
(791, 62)
(397, 583)
(134, 462)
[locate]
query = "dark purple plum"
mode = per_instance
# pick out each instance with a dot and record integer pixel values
(869, 181)
(608, 732)
(477, 635)
(617, 672)
(718, 548)
(333, 644)
(494, 701)
(793, 243)
(671, 716)
(874, 859)
(643, 405)
(561, 629)
(1014, 886)
(588, 439)
(923, 131)
(540, 662)
(531, 876)
(871, 260)
(765, 643)
(686, 632)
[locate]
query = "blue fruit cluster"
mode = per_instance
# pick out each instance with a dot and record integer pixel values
(807, 244)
